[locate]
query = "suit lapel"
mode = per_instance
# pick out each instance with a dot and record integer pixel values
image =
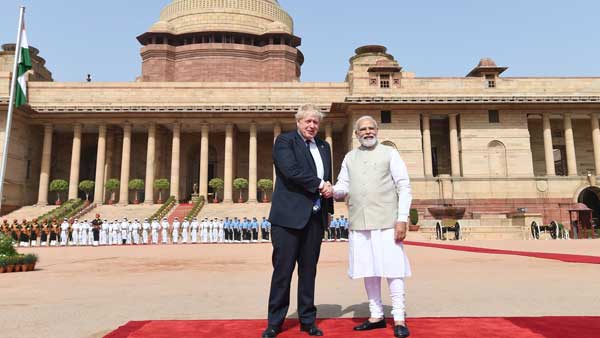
(304, 149)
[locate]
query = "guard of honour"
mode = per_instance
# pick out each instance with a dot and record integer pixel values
(124, 232)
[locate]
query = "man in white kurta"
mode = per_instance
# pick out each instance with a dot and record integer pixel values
(374, 179)
(164, 225)
(145, 231)
(185, 228)
(195, 227)
(175, 232)
(155, 228)
(64, 231)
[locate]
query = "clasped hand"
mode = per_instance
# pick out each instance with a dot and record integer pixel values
(327, 190)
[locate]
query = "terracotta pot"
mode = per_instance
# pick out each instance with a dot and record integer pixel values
(111, 202)
(86, 203)
(215, 200)
(2, 269)
(160, 201)
(58, 202)
(136, 202)
(31, 267)
(240, 200)
(23, 267)
(414, 227)
(10, 268)
(265, 199)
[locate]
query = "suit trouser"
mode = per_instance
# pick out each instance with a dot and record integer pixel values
(291, 246)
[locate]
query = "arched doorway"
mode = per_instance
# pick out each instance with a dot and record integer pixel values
(591, 198)
(497, 159)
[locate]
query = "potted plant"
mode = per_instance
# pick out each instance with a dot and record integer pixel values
(160, 185)
(414, 220)
(59, 186)
(3, 263)
(11, 263)
(136, 184)
(87, 187)
(112, 186)
(217, 185)
(21, 265)
(30, 260)
(266, 186)
(240, 184)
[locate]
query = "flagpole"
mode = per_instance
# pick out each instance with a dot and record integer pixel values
(11, 104)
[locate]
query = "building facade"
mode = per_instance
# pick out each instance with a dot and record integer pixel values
(220, 81)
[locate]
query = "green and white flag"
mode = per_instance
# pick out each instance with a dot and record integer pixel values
(23, 67)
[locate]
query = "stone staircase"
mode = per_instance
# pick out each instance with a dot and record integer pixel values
(28, 212)
(258, 210)
(112, 212)
(180, 211)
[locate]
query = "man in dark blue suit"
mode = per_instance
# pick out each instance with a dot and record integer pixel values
(300, 210)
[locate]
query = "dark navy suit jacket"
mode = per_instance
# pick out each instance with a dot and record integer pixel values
(297, 184)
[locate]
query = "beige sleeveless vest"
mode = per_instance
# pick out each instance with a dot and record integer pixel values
(373, 198)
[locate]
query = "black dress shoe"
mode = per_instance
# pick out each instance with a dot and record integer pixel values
(271, 332)
(401, 331)
(367, 325)
(311, 329)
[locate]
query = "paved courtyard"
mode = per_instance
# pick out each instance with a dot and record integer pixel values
(88, 292)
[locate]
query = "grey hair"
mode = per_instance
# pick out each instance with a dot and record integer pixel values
(362, 118)
(307, 110)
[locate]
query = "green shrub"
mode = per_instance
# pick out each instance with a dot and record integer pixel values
(414, 216)
(30, 258)
(6, 246)
(87, 187)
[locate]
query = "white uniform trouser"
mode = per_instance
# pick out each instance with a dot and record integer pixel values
(63, 237)
(396, 285)
(215, 236)
(175, 236)
(154, 236)
(74, 237)
(145, 236)
(221, 236)
(204, 236)
(136, 237)
(164, 236)
(194, 236)
(184, 236)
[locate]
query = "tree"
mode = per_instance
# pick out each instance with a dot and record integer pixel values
(240, 184)
(266, 185)
(112, 186)
(160, 185)
(217, 185)
(58, 186)
(87, 187)
(136, 184)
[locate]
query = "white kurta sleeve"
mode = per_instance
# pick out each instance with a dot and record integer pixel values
(342, 186)
(400, 176)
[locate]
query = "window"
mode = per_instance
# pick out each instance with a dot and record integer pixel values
(28, 173)
(386, 116)
(493, 116)
(384, 81)
(560, 164)
(491, 81)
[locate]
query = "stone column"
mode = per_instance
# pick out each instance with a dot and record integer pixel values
(204, 144)
(427, 161)
(125, 161)
(570, 145)
(175, 158)
(150, 156)
(548, 147)
(228, 190)
(100, 159)
(596, 141)
(252, 159)
(75, 162)
(110, 143)
(454, 153)
(276, 133)
(329, 139)
(45, 172)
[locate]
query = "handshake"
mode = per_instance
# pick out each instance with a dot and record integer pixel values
(327, 190)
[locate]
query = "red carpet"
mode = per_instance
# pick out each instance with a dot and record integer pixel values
(534, 327)
(554, 256)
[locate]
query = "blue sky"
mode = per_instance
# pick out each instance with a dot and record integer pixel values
(428, 37)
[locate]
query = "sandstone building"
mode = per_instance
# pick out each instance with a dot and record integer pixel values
(220, 79)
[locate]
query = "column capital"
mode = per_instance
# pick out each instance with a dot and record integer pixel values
(453, 114)
(567, 115)
(595, 115)
(426, 114)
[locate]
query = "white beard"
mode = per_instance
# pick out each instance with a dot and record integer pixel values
(368, 143)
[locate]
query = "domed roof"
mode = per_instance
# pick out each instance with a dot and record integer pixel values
(242, 16)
